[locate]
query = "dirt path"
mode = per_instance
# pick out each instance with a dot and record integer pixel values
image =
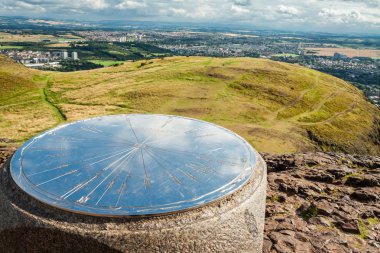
(61, 117)
(299, 98)
(336, 115)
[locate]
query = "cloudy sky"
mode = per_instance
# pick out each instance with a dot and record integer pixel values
(307, 15)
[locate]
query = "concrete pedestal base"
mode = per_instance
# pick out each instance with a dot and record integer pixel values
(233, 224)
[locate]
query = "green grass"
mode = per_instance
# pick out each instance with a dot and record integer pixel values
(106, 63)
(10, 47)
(277, 107)
(362, 229)
(45, 92)
(373, 221)
(309, 213)
(23, 112)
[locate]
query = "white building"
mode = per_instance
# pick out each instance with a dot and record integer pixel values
(65, 55)
(74, 55)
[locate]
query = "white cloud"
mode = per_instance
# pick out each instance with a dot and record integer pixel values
(28, 6)
(127, 4)
(239, 9)
(347, 16)
(97, 4)
(178, 11)
(331, 15)
(287, 10)
(242, 2)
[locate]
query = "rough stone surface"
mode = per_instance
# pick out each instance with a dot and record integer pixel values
(313, 205)
(233, 224)
(322, 202)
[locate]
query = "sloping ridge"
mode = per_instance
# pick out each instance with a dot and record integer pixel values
(278, 107)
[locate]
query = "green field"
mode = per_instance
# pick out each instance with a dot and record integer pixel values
(106, 63)
(10, 47)
(285, 55)
(277, 107)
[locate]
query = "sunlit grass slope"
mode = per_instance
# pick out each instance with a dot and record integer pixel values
(277, 107)
(24, 110)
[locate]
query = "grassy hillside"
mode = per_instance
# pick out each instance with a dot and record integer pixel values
(277, 107)
(24, 110)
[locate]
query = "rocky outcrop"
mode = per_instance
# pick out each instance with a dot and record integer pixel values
(5, 153)
(318, 202)
(322, 202)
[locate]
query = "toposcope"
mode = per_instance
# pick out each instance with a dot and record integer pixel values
(187, 178)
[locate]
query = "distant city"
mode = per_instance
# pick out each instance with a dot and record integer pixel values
(352, 58)
(41, 59)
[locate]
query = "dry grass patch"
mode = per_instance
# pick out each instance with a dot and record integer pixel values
(278, 107)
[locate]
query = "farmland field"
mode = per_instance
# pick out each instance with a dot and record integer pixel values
(10, 47)
(106, 63)
(350, 52)
(10, 37)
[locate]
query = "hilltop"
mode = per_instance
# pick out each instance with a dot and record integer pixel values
(277, 107)
(316, 202)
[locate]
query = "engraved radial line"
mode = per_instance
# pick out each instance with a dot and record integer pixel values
(163, 126)
(173, 178)
(173, 150)
(124, 185)
(103, 138)
(130, 125)
(91, 129)
(188, 174)
(109, 186)
(199, 156)
(204, 135)
(115, 177)
(205, 165)
(79, 163)
(50, 149)
(89, 194)
(85, 182)
(99, 138)
(84, 199)
(167, 122)
(95, 139)
(104, 159)
(146, 176)
(176, 135)
(170, 175)
(68, 173)
(196, 129)
(201, 167)
(113, 152)
(44, 171)
(182, 153)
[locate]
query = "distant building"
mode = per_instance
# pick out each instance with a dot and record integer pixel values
(123, 39)
(74, 56)
(338, 56)
(139, 37)
(65, 55)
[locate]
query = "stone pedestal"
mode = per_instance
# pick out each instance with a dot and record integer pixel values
(232, 224)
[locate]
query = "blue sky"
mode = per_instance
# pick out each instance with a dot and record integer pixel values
(305, 15)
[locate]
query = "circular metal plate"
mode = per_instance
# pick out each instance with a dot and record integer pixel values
(135, 164)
